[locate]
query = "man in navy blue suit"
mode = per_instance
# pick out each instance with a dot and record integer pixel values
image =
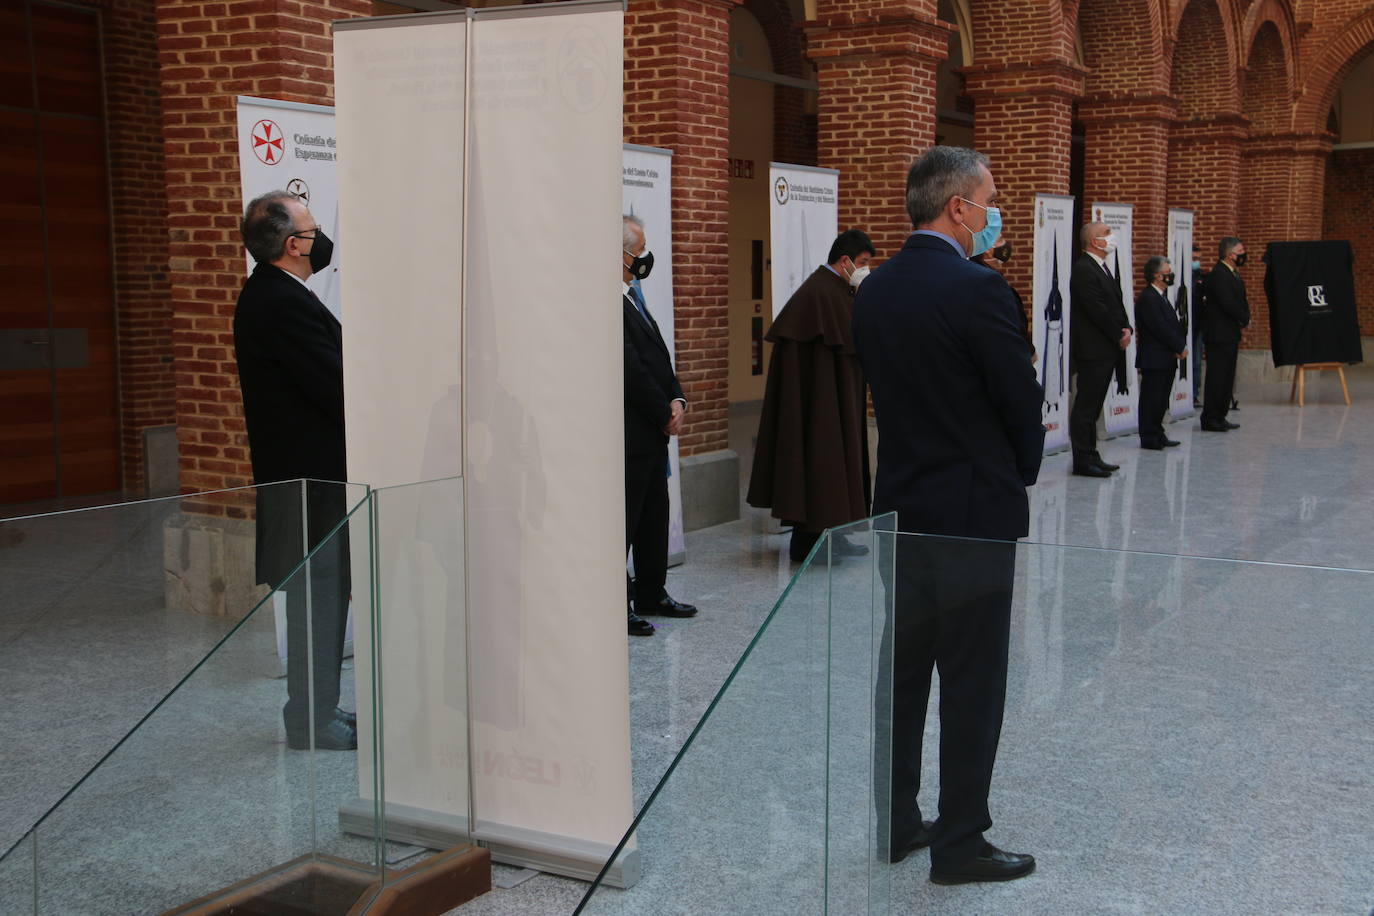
(959, 441)
(1161, 343)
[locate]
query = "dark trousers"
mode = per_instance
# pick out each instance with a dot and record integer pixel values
(646, 524)
(1093, 378)
(951, 612)
(1221, 379)
(315, 635)
(1155, 387)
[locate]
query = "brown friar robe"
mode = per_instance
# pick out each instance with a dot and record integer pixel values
(811, 459)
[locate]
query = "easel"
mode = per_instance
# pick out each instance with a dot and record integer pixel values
(1300, 371)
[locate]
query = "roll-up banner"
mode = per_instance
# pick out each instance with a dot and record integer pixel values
(291, 146)
(494, 349)
(648, 194)
(804, 218)
(1182, 295)
(1120, 407)
(1050, 311)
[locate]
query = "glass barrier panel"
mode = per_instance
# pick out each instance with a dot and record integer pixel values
(418, 660)
(104, 610)
(738, 823)
(230, 788)
(1179, 734)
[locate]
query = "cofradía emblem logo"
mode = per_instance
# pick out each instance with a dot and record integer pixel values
(269, 145)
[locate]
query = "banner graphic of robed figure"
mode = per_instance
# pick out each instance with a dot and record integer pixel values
(1053, 253)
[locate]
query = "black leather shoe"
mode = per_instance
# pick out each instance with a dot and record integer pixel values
(1230, 425)
(1097, 460)
(334, 735)
(1152, 446)
(667, 606)
(348, 718)
(639, 626)
(1222, 427)
(920, 840)
(1090, 470)
(992, 865)
(844, 548)
(1171, 443)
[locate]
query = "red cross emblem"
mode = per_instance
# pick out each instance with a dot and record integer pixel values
(268, 143)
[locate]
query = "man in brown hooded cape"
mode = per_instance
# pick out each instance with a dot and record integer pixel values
(811, 458)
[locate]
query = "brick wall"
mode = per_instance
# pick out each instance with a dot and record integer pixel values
(1349, 201)
(211, 52)
(139, 208)
(677, 96)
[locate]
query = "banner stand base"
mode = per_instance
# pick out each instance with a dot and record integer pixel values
(557, 855)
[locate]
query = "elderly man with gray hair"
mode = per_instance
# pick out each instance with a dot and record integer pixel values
(959, 441)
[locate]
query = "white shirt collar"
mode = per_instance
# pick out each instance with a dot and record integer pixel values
(293, 276)
(1100, 260)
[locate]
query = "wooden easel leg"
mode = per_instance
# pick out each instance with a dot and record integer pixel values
(1302, 383)
(1293, 388)
(1344, 389)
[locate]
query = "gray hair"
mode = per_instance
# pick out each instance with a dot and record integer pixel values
(1089, 232)
(938, 174)
(266, 226)
(1226, 246)
(627, 234)
(1155, 266)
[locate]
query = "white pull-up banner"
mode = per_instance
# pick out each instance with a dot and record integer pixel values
(804, 218)
(1053, 253)
(1120, 406)
(481, 190)
(1182, 296)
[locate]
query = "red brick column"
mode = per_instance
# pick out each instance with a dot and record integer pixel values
(1126, 157)
(1024, 123)
(211, 52)
(677, 70)
(1281, 194)
(1204, 176)
(876, 113)
(1349, 200)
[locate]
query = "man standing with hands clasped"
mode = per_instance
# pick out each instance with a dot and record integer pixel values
(654, 407)
(1228, 310)
(1161, 345)
(1099, 335)
(959, 440)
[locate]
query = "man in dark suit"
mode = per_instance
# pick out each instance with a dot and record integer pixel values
(654, 408)
(290, 361)
(1099, 334)
(1228, 310)
(959, 440)
(1160, 345)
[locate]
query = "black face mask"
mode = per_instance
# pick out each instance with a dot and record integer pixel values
(1002, 252)
(321, 253)
(1168, 279)
(1240, 259)
(641, 266)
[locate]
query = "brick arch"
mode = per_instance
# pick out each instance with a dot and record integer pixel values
(1267, 99)
(1280, 14)
(1204, 67)
(784, 40)
(1123, 46)
(1328, 69)
(794, 130)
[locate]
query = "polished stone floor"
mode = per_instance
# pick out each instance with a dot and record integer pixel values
(1182, 734)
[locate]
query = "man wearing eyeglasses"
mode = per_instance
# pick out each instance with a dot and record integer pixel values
(290, 362)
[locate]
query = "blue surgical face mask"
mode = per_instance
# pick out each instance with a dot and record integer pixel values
(988, 236)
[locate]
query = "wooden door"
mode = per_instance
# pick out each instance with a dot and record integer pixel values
(59, 418)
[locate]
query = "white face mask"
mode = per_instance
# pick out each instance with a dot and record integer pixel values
(858, 276)
(1110, 241)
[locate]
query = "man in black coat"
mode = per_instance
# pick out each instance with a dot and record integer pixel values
(1099, 334)
(290, 362)
(1160, 345)
(654, 408)
(1228, 310)
(960, 439)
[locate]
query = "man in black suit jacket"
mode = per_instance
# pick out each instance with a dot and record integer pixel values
(1159, 346)
(290, 361)
(1228, 310)
(1099, 334)
(959, 440)
(654, 408)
